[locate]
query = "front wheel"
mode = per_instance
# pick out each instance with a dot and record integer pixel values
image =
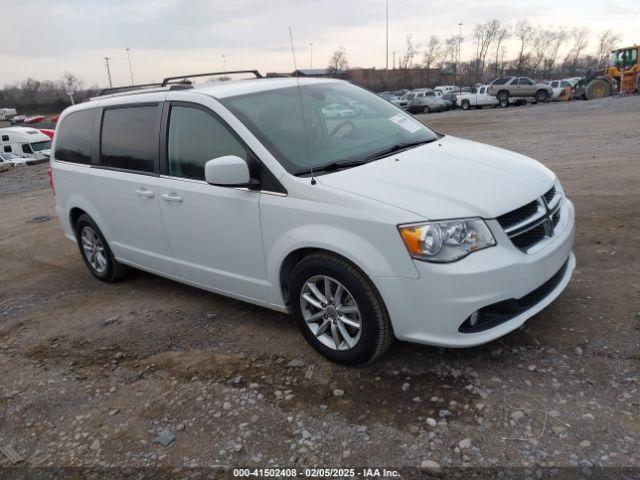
(338, 310)
(465, 105)
(541, 96)
(503, 102)
(426, 110)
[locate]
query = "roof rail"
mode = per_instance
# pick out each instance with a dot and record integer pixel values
(183, 78)
(109, 91)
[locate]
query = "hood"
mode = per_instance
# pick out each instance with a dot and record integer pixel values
(448, 178)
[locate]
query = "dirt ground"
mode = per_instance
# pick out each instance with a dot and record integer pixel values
(92, 372)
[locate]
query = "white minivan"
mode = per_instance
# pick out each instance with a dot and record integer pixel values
(366, 229)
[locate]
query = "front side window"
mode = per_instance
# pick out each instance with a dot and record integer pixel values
(318, 140)
(129, 138)
(73, 138)
(525, 81)
(26, 148)
(196, 137)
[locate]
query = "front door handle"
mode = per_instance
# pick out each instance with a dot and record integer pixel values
(145, 193)
(172, 197)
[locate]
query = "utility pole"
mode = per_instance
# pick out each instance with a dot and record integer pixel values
(130, 69)
(311, 53)
(387, 35)
(106, 60)
(459, 45)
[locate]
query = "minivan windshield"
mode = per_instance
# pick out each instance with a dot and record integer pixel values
(343, 125)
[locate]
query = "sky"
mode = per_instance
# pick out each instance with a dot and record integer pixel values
(43, 39)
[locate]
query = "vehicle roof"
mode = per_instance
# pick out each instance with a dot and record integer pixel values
(25, 132)
(222, 89)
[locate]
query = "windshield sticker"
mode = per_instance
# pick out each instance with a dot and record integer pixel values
(411, 125)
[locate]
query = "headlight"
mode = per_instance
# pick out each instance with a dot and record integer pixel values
(446, 240)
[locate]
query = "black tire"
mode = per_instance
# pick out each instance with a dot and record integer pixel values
(465, 104)
(114, 270)
(503, 103)
(426, 110)
(541, 96)
(597, 88)
(376, 334)
(503, 95)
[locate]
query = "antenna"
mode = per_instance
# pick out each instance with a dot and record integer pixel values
(304, 124)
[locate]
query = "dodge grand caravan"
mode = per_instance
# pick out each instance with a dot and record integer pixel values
(366, 229)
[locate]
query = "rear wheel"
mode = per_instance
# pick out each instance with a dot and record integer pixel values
(597, 88)
(338, 310)
(95, 251)
(466, 105)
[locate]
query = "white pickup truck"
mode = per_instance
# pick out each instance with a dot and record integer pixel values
(480, 98)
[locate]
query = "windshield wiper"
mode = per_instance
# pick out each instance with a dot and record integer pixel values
(330, 167)
(396, 148)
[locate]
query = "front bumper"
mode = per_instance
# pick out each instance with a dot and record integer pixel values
(432, 308)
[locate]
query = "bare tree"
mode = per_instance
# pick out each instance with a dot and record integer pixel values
(525, 33)
(484, 33)
(556, 41)
(338, 63)
(71, 82)
(450, 51)
(503, 63)
(432, 51)
(606, 42)
(540, 46)
(501, 36)
(411, 51)
(580, 37)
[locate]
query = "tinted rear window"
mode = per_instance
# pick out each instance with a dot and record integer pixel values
(74, 137)
(501, 81)
(129, 138)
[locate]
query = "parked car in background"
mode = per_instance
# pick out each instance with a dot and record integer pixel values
(397, 101)
(372, 230)
(25, 142)
(451, 97)
(7, 113)
(478, 99)
(17, 119)
(506, 87)
(450, 104)
(34, 119)
(562, 89)
(11, 159)
(447, 88)
(425, 101)
(336, 110)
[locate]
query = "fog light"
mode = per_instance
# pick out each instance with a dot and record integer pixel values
(474, 318)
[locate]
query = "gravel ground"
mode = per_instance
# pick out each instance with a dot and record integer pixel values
(92, 373)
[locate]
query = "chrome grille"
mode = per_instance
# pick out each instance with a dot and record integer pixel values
(530, 224)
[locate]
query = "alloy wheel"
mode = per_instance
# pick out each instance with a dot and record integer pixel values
(331, 312)
(93, 249)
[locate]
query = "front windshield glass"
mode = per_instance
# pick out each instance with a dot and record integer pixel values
(344, 123)
(38, 146)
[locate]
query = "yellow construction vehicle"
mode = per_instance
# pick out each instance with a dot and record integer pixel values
(622, 75)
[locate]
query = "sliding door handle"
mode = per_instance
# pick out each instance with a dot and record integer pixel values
(172, 197)
(145, 193)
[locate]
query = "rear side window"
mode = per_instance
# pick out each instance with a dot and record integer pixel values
(74, 136)
(129, 138)
(5, 138)
(7, 149)
(196, 137)
(501, 81)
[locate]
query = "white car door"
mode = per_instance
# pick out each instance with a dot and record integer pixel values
(214, 231)
(124, 185)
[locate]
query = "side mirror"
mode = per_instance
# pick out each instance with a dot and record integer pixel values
(227, 171)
